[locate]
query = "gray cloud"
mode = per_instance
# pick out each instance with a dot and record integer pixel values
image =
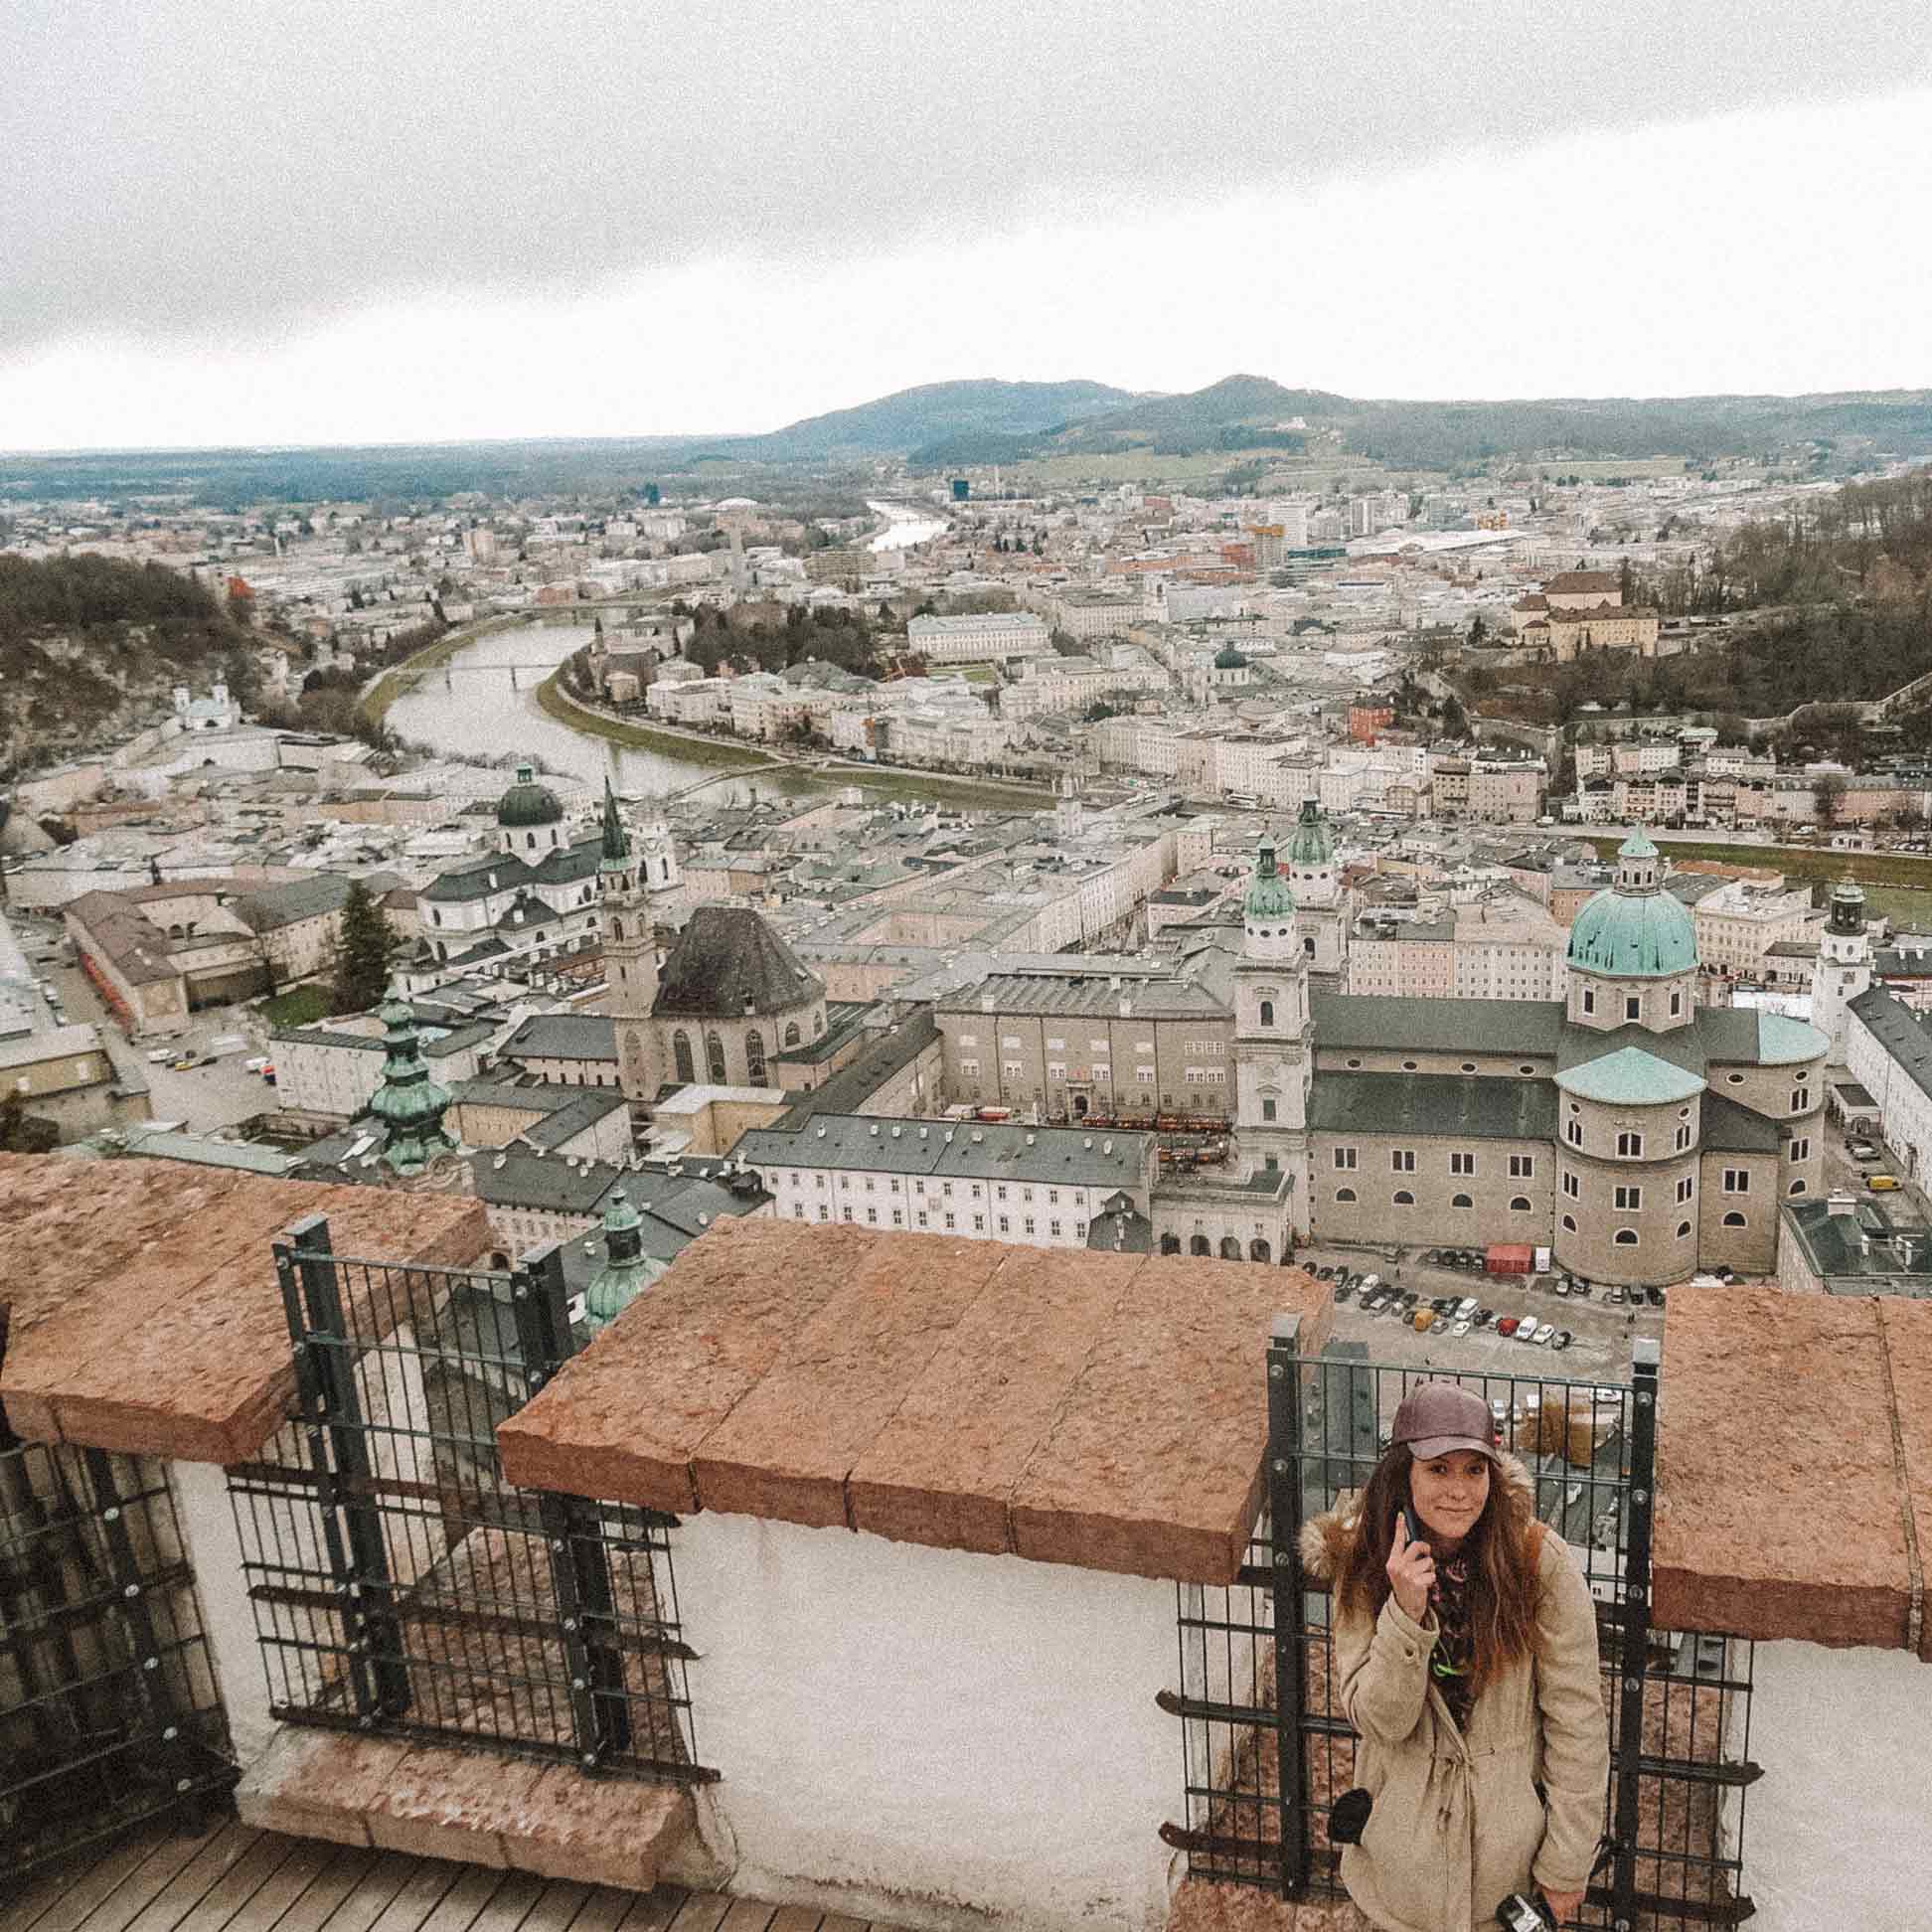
(192, 168)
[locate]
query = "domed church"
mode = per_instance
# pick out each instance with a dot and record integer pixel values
(1639, 1135)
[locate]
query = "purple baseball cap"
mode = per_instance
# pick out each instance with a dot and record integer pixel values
(1438, 1416)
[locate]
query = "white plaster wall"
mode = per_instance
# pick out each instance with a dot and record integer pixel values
(1839, 1829)
(930, 1737)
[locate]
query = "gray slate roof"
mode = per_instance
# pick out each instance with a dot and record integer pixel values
(728, 962)
(953, 1150)
(1899, 1032)
(1531, 1027)
(1726, 1127)
(564, 1036)
(1475, 1106)
(1152, 999)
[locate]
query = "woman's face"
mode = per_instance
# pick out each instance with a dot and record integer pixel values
(1449, 1493)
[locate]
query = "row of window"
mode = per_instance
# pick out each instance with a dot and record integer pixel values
(1633, 1003)
(977, 1191)
(1344, 1197)
(923, 1218)
(1012, 1044)
(1401, 1160)
(1411, 1066)
(755, 1054)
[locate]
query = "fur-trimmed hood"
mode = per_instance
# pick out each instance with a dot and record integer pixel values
(1325, 1539)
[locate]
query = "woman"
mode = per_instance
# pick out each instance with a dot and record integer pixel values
(1467, 1661)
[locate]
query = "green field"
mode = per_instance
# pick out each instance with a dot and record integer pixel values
(1903, 869)
(300, 1006)
(1908, 911)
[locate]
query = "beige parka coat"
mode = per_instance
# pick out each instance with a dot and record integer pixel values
(1457, 1822)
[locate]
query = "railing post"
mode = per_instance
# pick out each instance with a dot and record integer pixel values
(339, 1455)
(1285, 1522)
(579, 1567)
(1633, 1639)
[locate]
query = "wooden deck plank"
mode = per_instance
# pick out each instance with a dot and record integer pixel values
(465, 1902)
(748, 1915)
(165, 1908)
(603, 1910)
(305, 1861)
(507, 1911)
(557, 1906)
(66, 1895)
(653, 1912)
(243, 1878)
(334, 1879)
(422, 1891)
(368, 1894)
(796, 1918)
(701, 1913)
(838, 1922)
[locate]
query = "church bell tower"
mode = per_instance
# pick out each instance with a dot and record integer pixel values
(630, 960)
(1843, 968)
(1274, 1057)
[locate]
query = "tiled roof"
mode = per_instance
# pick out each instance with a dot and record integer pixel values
(1467, 1105)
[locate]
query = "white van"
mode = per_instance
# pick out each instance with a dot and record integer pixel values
(161, 1057)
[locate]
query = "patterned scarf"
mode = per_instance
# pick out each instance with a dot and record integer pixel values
(1451, 1663)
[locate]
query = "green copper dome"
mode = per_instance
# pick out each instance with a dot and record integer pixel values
(408, 1103)
(1268, 897)
(627, 1270)
(1310, 844)
(1634, 930)
(1227, 658)
(526, 803)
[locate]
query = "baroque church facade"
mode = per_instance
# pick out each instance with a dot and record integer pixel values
(1639, 1136)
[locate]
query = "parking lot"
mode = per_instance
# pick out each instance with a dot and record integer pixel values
(1601, 1332)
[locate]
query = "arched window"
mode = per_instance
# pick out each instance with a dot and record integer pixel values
(1231, 1248)
(792, 1033)
(498, 1259)
(1259, 1250)
(1404, 1199)
(755, 1060)
(1520, 1205)
(1267, 1013)
(1461, 1200)
(1170, 1245)
(681, 1053)
(1684, 1230)
(1733, 1220)
(715, 1058)
(1796, 1186)
(1626, 1237)
(1200, 1245)
(529, 842)
(1344, 1196)
(616, 929)
(1569, 1224)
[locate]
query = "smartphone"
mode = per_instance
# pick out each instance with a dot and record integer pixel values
(1412, 1523)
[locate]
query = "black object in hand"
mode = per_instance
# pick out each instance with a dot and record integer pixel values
(1519, 1914)
(1348, 1815)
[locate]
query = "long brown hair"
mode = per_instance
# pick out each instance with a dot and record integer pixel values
(1501, 1577)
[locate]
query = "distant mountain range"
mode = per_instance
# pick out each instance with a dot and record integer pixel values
(955, 424)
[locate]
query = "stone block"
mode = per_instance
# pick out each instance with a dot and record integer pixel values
(943, 1468)
(1781, 1510)
(786, 1448)
(318, 1784)
(440, 1801)
(597, 1830)
(1153, 1466)
(624, 1420)
(1907, 1329)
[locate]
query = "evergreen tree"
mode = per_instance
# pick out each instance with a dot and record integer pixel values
(25, 1133)
(365, 947)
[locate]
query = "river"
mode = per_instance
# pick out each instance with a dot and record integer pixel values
(904, 525)
(477, 714)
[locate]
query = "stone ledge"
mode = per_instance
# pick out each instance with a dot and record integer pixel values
(144, 1314)
(1098, 1409)
(1795, 1467)
(439, 1802)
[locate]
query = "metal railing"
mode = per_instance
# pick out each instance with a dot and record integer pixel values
(110, 1715)
(400, 1584)
(1266, 1747)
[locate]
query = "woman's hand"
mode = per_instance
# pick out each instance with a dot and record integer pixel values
(1412, 1570)
(1563, 1906)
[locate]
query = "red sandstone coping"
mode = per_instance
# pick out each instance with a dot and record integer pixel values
(144, 1315)
(1099, 1409)
(1795, 1467)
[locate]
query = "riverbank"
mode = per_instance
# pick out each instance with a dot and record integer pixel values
(1808, 862)
(400, 679)
(884, 782)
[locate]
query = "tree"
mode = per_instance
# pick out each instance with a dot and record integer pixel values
(1478, 629)
(365, 947)
(1827, 790)
(25, 1133)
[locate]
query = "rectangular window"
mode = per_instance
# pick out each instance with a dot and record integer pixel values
(923, 1218)
(1590, 999)
(1030, 1224)
(1463, 1164)
(1011, 1068)
(946, 1187)
(1737, 1180)
(1056, 1069)
(845, 1213)
(977, 1191)
(1006, 1224)
(1145, 1076)
(1801, 1150)
(1573, 1133)
(1267, 1110)
(1682, 1137)
(1799, 1099)
(798, 1211)
(979, 1224)
(1571, 1187)
(1345, 1157)
(1677, 1005)
(872, 1185)
(952, 1220)
(1685, 1188)
(872, 1215)
(1630, 1147)
(896, 1186)
(898, 1217)
(1102, 1073)
(970, 1068)
(1057, 1046)
(1053, 1196)
(1628, 1200)
(1633, 1005)
(1523, 1167)
(844, 1183)
(824, 1213)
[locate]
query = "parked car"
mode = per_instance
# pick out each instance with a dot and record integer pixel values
(182, 1064)
(1562, 1284)
(1420, 1321)
(1342, 1291)
(1508, 1325)
(1527, 1329)
(1617, 1295)
(1465, 1307)
(1861, 1150)
(1655, 1296)
(1438, 1325)
(1545, 1330)
(1459, 1328)
(1561, 1339)
(1483, 1317)
(1884, 1183)
(162, 1057)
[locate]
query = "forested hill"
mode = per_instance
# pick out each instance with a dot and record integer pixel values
(88, 642)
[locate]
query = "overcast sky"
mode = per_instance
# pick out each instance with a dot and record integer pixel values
(279, 222)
